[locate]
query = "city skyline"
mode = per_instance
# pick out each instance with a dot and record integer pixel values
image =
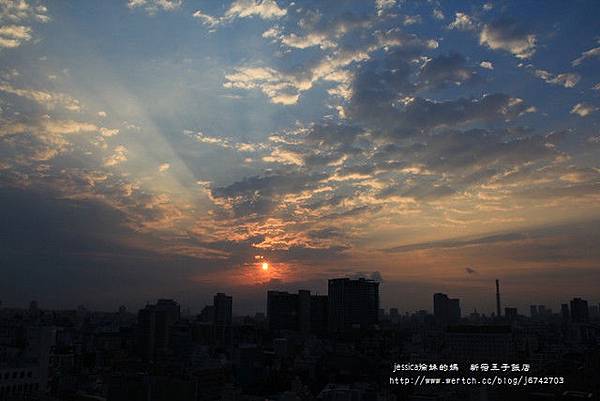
(178, 149)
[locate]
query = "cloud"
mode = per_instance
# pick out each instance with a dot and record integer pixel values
(47, 99)
(163, 167)
(444, 70)
(206, 19)
(506, 34)
(16, 16)
(487, 65)
(119, 155)
(438, 14)
(587, 55)
(384, 5)
(583, 109)
(13, 35)
(459, 243)
(462, 22)
(567, 79)
(152, 6)
(264, 9)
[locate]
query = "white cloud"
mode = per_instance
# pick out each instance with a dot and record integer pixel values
(163, 167)
(265, 9)
(487, 65)
(119, 156)
(583, 109)
(462, 22)
(48, 99)
(567, 79)
(206, 19)
(383, 5)
(14, 35)
(411, 20)
(592, 53)
(438, 14)
(507, 35)
(152, 6)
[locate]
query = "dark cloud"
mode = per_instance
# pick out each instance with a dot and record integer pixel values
(444, 70)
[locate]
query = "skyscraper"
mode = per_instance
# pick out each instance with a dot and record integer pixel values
(579, 310)
(222, 309)
(222, 306)
(154, 322)
(352, 304)
(446, 310)
(564, 312)
(498, 312)
(282, 310)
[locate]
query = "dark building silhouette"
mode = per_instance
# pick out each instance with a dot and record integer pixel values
(498, 311)
(282, 310)
(446, 310)
(222, 306)
(510, 313)
(301, 312)
(579, 310)
(352, 304)
(533, 311)
(154, 322)
(564, 312)
(318, 314)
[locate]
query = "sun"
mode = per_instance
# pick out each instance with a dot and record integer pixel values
(264, 266)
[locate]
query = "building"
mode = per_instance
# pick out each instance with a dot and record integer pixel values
(352, 304)
(154, 322)
(446, 310)
(479, 342)
(222, 306)
(510, 313)
(579, 310)
(564, 312)
(282, 310)
(301, 312)
(533, 311)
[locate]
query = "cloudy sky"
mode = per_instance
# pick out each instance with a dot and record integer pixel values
(167, 148)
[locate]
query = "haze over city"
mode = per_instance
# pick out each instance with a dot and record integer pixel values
(173, 149)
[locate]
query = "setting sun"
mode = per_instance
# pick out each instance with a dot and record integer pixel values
(265, 266)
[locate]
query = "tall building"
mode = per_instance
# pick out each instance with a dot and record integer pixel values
(222, 308)
(446, 310)
(533, 311)
(510, 313)
(564, 312)
(352, 304)
(318, 314)
(282, 310)
(579, 310)
(222, 305)
(154, 323)
(498, 312)
(301, 312)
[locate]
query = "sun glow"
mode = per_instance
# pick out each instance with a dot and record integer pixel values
(264, 266)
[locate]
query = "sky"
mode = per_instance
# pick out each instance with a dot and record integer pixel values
(169, 148)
